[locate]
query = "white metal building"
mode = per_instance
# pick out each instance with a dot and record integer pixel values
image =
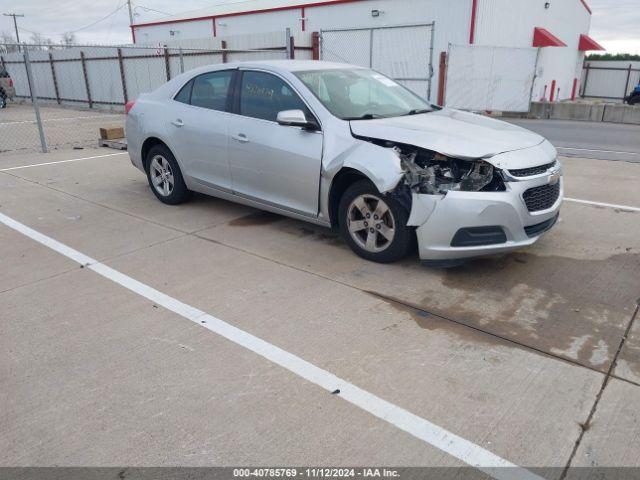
(500, 53)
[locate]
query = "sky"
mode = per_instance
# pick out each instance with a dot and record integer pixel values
(615, 23)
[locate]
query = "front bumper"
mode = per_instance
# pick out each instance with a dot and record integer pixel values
(441, 219)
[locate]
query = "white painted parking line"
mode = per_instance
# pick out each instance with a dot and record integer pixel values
(598, 151)
(61, 161)
(456, 446)
(575, 200)
(601, 204)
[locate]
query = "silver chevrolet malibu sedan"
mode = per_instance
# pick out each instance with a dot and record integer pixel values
(348, 148)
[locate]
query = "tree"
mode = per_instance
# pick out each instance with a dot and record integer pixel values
(68, 39)
(40, 42)
(614, 56)
(37, 38)
(7, 43)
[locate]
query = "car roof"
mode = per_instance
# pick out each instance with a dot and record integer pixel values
(277, 66)
(298, 65)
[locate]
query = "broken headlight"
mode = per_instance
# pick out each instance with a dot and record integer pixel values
(433, 173)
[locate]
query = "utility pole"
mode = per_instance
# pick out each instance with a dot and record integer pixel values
(15, 25)
(131, 21)
(130, 12)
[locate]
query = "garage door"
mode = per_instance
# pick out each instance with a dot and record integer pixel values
(490, 78)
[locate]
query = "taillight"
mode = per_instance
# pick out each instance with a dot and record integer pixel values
(129, 105)
(10, 82)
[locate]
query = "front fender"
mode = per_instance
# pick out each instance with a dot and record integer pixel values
(381, 165)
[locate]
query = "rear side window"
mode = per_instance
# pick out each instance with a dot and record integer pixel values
(263, 95)
(184, 95)
(211, 89)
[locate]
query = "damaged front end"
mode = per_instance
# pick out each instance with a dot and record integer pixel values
(432, 173)
(426, 172)
(469, 203)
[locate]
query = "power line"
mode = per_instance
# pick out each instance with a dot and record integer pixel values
(81, 28)
(97, 21)
(147, 9)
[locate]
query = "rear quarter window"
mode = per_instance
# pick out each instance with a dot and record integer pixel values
(184, 95)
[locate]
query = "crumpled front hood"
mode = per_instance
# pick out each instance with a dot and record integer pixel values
(450, 132)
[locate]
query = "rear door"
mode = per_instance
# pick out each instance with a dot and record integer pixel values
(275, 164)
(198, 121)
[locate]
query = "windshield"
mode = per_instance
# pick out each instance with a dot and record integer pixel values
(361, 94)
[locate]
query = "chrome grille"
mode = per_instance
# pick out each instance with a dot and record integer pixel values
(541, 198)
(528, 172)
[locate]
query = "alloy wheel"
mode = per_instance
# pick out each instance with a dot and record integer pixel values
(371, 223)
(161, 175)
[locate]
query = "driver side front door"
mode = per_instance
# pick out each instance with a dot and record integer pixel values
(274, 164)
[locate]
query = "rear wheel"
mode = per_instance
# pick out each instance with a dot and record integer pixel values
(3, 101)
(374, 225)
(165, 177)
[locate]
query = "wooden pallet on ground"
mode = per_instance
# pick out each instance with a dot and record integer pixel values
(115, 143)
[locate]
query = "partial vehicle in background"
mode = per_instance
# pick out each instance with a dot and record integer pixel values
(348, 148)
(634, 97)
(7, 90)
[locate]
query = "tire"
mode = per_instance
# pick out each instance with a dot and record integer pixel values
(165, 177)
(3, 101)
(379, 238)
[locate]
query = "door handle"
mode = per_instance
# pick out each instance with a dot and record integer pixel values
(241, 137)
(178, 122)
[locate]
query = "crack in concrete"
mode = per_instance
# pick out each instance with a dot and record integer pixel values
(195, 234)
(504, 339)
(586, 425)
(418, 309)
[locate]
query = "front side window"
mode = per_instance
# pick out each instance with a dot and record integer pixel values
(263, 95)
(210, 90)
(362, 94)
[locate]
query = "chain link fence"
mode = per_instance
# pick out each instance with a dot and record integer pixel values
(402, 52)
(61, 96)
(481, 78)
(609, 80)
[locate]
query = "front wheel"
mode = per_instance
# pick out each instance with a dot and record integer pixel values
(165, 177)
(374, 225)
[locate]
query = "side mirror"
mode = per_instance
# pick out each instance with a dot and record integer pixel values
(296, 118)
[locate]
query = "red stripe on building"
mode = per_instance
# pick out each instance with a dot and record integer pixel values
(584, 2)
(472, 32)
(248, 12)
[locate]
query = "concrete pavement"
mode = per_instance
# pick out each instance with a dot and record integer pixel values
(608, 141)
(508, 353)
